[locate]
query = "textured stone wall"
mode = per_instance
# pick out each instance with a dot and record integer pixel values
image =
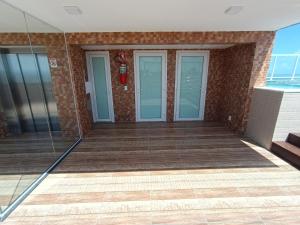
(171, 74)
(124, 101)
(79, 71)
(215, 80)
(256, 44)
(263, 41)
(238, 64)
(253, 47)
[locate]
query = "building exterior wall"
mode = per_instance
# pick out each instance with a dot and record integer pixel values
(273, 115)
(124, 101)
(288, 120)
(171, 70)
(215, 82)
(263, 41)
(238, 64)
(232, 73)
(263, 115)
(78, 65)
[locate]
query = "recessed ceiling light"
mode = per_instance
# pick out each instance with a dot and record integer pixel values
(72, 10)
(233, 10)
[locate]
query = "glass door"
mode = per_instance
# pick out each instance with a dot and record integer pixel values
(38, 115)
(101, 92)
(150, 85)
(191, 79)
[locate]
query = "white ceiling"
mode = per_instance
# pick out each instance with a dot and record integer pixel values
(164, 15)
(13, 20)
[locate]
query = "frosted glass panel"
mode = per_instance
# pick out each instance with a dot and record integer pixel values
(190, 86)
(98, 64)
(150, 71)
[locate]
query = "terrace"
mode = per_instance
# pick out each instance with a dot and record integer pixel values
(148, 112)
(165, 173)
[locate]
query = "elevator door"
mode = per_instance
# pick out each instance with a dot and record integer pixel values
(26, 79)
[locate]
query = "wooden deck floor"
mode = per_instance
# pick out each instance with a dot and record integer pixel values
(23, 158)
(159, 173)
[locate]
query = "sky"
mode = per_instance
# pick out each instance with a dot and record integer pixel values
(287, 40)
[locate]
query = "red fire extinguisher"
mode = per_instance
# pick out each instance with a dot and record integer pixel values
(123, 68)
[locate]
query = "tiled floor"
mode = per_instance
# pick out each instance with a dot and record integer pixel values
(23, 158)
(182, 173)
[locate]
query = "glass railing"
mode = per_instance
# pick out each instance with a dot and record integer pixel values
(284, 68)
(38, 122)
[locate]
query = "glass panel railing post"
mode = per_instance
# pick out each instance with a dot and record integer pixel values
(295, 68)
(272, 74)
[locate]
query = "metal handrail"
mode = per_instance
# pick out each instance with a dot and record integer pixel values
(275, 57)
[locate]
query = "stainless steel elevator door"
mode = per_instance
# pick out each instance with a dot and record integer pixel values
(27, 80)
(45, 74)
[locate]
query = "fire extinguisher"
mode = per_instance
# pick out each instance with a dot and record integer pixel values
(123, 68)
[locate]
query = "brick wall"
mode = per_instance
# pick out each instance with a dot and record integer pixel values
(78, 64)
(124, 101)
(252, 46)
(171, 70)
(214, 89)
(233, 99)
(224, 79)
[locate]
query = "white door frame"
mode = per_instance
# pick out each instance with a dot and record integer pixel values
(105, 55)
(163, 54)
(179, 55)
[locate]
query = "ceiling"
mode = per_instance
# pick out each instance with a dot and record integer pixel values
(164, 15)
(13, 20)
